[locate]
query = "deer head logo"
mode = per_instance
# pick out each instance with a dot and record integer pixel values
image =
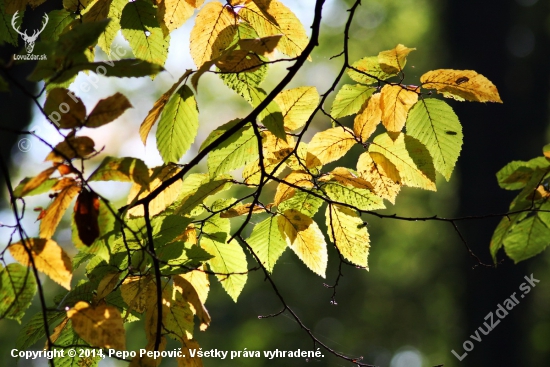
(29, 40)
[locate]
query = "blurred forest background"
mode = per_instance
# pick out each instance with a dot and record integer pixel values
(421, 297)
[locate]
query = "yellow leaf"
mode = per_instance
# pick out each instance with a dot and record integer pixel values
(297, 105)
(270, 18)
(395, 103)
(190, 294)
(410, 158)
(70, 148)
(173, 13)
(164, 199)
(461, 85)
(305, 238)
(134, 290)
(393, 61)
(188, 361)
(276, 149)
(101, 326)
(252, 171)
(49, 258)
(238, 61)
(329, 145)
(242, 209)
(57, 331)
(261, 46)
(381, 173)
(55, 211)
(348, 232)
(346, 177)
(368, 118)
(158, 107)
(107, 285)
(298, 178)
(177, 315)
(36, 181)
(199, 280)
(215, 27)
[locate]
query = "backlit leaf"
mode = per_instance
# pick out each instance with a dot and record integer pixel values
(178, 125)
(410, 158)
(461, 85)
(393, 61)
(107, 110)
(260, 46)
(297, 178)
(370, 71)
(100, 325)
(199, 279)
(48, 257)
(196, 191)
(174, 13)
(55, 211)
(329, 145)
(240, 149)
(158, 107)
(434, 124)
(526, 238)
(215, 27)
(17, 289)
(348, 232)
(267, 243)
(297, 105)
(191, 296)
(238, 61)
(395, 103)
(270, 18)
(381, 173)
(305, 238)
(25, 188)
(368, 118)
(105, 39)
(125, 169)
(142, 30)
(362, 199)
(349, 99)
(229, 260)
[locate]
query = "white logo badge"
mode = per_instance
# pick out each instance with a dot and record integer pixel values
(29, 40)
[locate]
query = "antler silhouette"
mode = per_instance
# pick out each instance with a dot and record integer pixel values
(29, 40)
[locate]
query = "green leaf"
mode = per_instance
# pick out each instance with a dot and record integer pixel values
(361, 199)
(245, 84)
(240, 149)
(17, 289)
(348, 232)
(41, 189)
(349, 99)
(371, 66)
(127, 68)
(229, 258)
(58, 20)
(126, 169)
(410, 157)
(271, 116)
(434, 124)
(142, 30)
(7, 33)
(267, 242)
(303, 201)
(197, 188)
(527, 238)
(79, 39)
(218, 132)
(180, 256)
(178, 125)
(106, 38)
(33, 330)
(66, 340)
(516, 174)
(167, 228)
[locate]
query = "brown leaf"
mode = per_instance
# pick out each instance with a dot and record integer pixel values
(100, 325)
(72, 147)
(48, 257)
(239, 61)
(107, 110)
(65, 109)
(55, 211)
(36, 181)
(86, 212)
